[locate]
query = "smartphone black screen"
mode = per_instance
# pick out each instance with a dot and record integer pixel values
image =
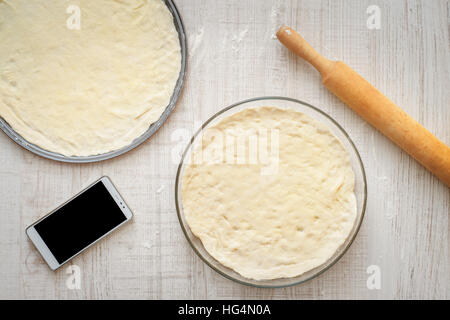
(80, 222)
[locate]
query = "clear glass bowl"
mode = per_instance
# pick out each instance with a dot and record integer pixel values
(147, 134)
(360, 190)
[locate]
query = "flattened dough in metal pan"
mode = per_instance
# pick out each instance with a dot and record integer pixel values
(86, 91)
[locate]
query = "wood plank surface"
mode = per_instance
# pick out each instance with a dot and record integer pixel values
(233, 56)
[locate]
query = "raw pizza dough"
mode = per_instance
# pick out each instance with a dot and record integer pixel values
(268, 224)
(88, 91)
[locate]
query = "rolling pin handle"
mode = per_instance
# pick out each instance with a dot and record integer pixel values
(295, 43)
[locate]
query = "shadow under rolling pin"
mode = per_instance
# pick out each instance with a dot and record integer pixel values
(374, 107)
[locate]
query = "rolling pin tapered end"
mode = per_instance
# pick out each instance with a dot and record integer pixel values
(299, 46)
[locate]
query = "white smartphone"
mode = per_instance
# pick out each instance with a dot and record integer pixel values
(79, 223)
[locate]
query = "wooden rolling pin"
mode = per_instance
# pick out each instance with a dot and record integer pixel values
(374, 107)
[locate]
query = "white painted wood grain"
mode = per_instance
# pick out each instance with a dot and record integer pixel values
(233, 57)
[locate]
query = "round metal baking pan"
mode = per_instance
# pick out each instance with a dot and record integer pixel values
(360, 190)
(150, 131)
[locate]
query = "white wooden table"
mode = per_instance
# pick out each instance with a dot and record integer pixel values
(233, 56)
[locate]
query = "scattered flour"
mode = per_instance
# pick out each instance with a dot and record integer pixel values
(160, 189)
(275, 19)
(195, 41)
(238, 39)
(147, 245)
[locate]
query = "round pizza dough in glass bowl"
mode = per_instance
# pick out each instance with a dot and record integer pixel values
(209, 244)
